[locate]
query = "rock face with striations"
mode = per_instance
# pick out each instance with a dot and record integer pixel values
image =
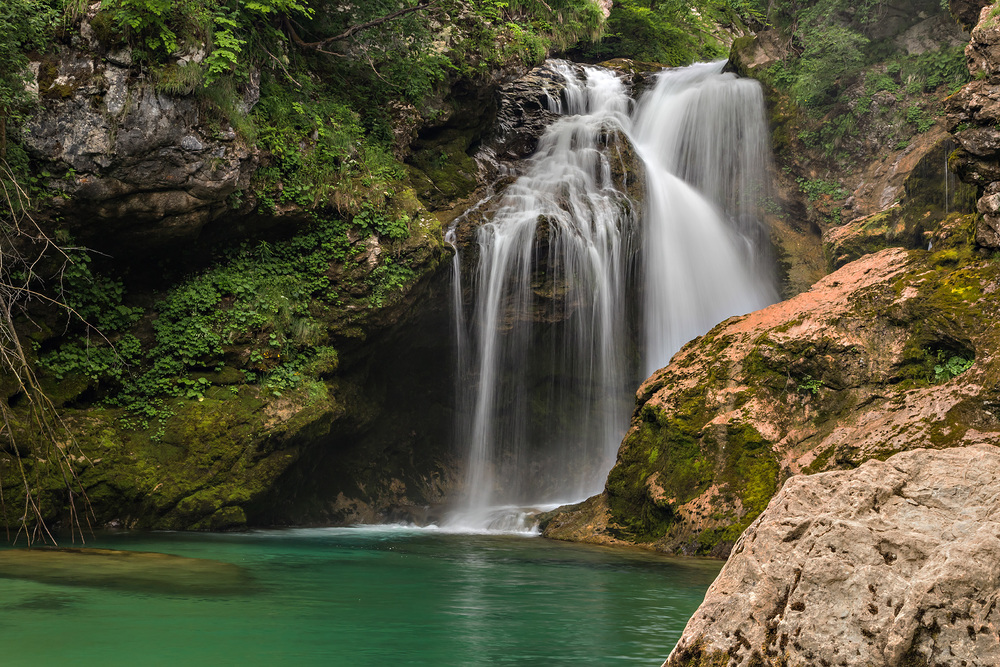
(135, 166)
(895, 563)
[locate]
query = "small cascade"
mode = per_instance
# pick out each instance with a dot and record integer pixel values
(580, 290)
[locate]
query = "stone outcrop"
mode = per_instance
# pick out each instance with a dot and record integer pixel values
(526, 107)
(134, 166)
(863, 365)
(894, 563)
(973, 114)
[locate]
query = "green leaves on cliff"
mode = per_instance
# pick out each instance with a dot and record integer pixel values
(25, 25)
(833, 41)
(233, 36)
(669, 31)
(258, 316)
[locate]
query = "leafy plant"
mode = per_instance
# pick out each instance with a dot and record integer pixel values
(816, 188)
(949, 367)
(810, 384)
(25, 25)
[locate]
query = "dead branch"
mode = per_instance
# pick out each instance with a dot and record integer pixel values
(54, 443)
(425, 4)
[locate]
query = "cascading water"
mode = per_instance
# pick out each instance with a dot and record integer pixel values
(704, 142)
(569, 275)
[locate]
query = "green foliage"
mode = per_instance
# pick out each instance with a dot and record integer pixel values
(831, 53)
(155, 29)
(148, 24)
(949, 367)
(668, 31)
(816, 188)
(25, 25)
(374, 221)
(388, 278)
(258, 309)
(810, 384)
(919, 117)
(97, 300)
(321, 151)
(831, 38)
(531, 28)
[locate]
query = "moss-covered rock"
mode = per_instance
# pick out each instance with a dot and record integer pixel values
(892, 352)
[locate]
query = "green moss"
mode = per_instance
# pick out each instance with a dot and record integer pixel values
(820, 463)
(662, 446)
(106, 31)
(442, 171)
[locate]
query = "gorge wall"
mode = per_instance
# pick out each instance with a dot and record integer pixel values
(258, 328)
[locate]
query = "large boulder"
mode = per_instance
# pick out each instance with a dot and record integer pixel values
(895, 563)
(136, 167)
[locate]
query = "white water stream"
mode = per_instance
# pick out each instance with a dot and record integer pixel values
(580, 292)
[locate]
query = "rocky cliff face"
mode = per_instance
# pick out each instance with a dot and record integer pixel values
(167, 188)
(135, 169)
(892, 352)
(972, 116)
(893, 564)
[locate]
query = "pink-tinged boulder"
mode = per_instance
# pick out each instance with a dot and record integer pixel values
(895, 351)
(894, 564)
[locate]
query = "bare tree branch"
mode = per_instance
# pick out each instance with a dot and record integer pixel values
(425, 4)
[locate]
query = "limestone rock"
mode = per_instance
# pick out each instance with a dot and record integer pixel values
(931, 34)
(973, 115)
(983, 51)
(136, 167)
(861, 366)
(988, 228)
(755, 53)
(894, 563)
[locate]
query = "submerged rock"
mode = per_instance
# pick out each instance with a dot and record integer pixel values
(146, 572)
(895, 563)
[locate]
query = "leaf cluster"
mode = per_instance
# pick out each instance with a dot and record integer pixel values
(670, 31)
(258, 309)
(25, 25)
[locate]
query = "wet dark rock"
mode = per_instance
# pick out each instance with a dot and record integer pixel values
(967, 11)
(525, 109)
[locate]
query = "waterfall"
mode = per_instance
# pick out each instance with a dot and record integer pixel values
(705, 144)
(580, 291)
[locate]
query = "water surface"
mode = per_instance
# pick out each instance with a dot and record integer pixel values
(366, 596)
